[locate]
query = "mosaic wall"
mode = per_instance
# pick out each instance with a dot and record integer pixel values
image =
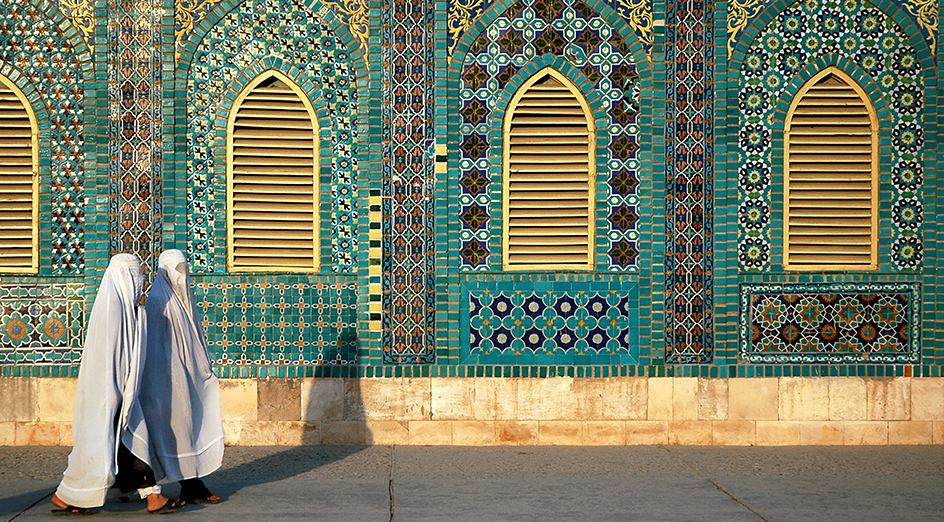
(526, 325)
(135, 129)
(82, 15)
(407, 115)
(463, 14)
(806, 33)
(830, 323)
(600, 60)
(34, 45)
(924, 14)
(281, 320)
(266, 34)
(41, 322)
(689, 183)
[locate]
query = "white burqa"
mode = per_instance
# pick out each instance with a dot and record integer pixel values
(181, 435)
(112, 360)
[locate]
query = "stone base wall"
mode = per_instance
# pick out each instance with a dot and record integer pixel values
(501, 411)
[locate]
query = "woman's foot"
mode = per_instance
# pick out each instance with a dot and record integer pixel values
(65, 509)
(58, 502)
(157, 503)
(195, 491)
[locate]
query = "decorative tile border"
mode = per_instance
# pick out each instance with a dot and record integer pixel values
(859, 323)
(41, 324)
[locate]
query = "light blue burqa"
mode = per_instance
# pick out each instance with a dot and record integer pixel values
(112, 360)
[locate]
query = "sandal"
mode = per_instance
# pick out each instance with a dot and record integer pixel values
(169, 507)
(72, 511)
(195, 491)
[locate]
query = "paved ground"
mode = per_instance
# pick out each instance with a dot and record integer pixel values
(648, 483)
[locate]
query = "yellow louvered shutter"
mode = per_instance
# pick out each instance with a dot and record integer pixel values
(831, 178)
(273, 189)
(18, 182)
(548, 177)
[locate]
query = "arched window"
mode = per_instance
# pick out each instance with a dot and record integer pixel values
(549, 173)
(831, 177)
(272, 159)
(19, 182)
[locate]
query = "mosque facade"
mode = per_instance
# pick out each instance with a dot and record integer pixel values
(489, 222)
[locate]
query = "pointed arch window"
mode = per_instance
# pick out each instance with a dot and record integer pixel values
(272, 197)
(548, 182)
(19, 181)
(831, 176)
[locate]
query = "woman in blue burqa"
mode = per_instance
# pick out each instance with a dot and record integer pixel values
(181, 432)
(109, 377)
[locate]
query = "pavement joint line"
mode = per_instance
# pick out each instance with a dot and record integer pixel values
(391, 490)
(31, 506)
(709, 479)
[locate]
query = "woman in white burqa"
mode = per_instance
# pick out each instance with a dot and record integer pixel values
(181, 435)
(109, 376)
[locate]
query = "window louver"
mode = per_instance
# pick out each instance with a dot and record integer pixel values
(18, 182)
(548, 188)
(831, 182)
(273, 179)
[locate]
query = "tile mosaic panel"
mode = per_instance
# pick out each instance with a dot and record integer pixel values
(82, 14)
(259, 31)
(742, 12)
(189, 13)
(799, 36)
(689, 183)
(278, 320)
(34, 45)
(464, 13)
(541, 324)
(407, 48)
(830, 323)
(41, 323)
(135, 145)
(528, 31)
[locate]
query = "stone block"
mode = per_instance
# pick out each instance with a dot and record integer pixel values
(55, 398)
(272, 433)
(604, 433)
(415, 400)
(803, 398)
(516, 433)
(506, 399)
(777, 433)
(18, 403)
(311, 433)
(322, 399)
(387, 432)
(473, 433)
(848, 398)
(733, 433)
(685, 398)
(927, 399)
(660, 398)
(712, 399)
(910, 432)
(690, 433)
(821, 433)
(546, 399)
(431, 433)
(38, 433)
(937, 432)
(279, 399)
(7, 433)
(865, 433)
(232, 429)
(560, 433)
(588, 394)
(452, 399)
(65, 434)
(888, 398)
(625, 398)
(344, 432)
(639, 432)
(239, 399)
(485, 391)
(387, 399)
(753, 399)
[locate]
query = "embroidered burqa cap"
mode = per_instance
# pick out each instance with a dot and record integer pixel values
(181, 433)
(109, 374)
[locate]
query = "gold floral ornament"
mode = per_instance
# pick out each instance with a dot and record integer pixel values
(740, 13)
(462, 13)
(925, 13)
(82, 14)
(354, 14)
(639, 15)
(187, 13)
